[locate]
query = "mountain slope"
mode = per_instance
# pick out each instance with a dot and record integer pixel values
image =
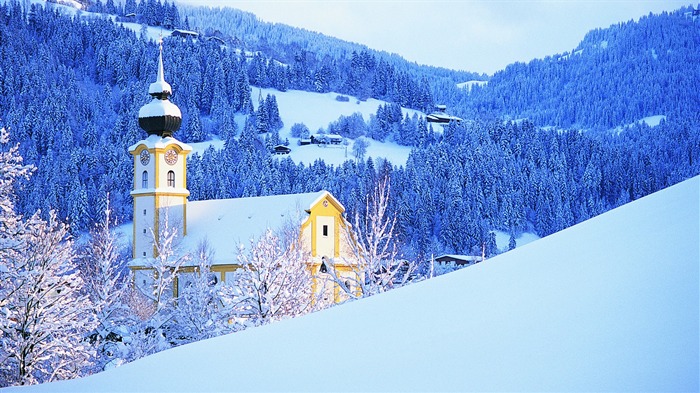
(609, 304)
(615, 76)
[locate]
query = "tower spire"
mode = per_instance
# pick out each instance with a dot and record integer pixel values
(160, 116)
(160, 87)
(160, 77)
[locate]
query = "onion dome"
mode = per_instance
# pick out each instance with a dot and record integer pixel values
(160, 116)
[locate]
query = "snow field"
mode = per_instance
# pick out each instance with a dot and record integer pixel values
(609, 304)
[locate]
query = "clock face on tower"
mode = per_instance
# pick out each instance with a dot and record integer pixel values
(145, 157)
(171, 157)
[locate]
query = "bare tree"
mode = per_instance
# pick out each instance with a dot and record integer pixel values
(274, 281)
(103, 270)
(373, 248)
(155, 297)
(200, 312)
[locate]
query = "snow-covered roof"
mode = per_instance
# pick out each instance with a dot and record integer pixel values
(184, 32)
(158, 108)
(228, 223)
(329, 136)
(158, 142)
(451, 257)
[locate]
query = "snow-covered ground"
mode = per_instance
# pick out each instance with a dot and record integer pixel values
(318, 110)
(503, 238)
(469, 84)
(651, 121)
(610, 304)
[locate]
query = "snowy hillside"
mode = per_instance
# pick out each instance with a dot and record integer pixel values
(609, 304)
(317, 110)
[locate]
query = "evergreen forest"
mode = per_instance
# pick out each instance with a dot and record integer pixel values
(540, 147)
(545, 145)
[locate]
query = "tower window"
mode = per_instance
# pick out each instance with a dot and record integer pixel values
(325, 230)
(171, 179)
(144, 179)
(323, 268)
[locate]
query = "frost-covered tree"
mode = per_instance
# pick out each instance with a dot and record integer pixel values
(155, 299)
(44, 317)
(103, 268)
(300, 130)
(200, 311)
(359, 148)
(274, 281)
(373, 246)
(12, 169)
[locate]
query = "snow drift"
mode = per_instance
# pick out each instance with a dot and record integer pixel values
(609, 304)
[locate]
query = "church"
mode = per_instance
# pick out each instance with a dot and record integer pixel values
(160, 198)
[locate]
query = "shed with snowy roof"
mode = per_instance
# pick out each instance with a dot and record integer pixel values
(460, 260)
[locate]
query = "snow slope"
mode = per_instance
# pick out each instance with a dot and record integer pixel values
(317, 110)
(651, 121)
(609, 304)
(469, 84)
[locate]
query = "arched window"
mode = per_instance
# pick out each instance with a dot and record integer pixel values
(144, 179)
(323, 268)
(171, 179)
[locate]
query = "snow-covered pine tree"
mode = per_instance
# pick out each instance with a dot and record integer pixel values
(273, 113)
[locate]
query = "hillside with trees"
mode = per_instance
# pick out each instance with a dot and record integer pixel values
(543, 146)
(615, 76)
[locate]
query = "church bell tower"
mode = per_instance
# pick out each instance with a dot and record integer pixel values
(160, 168)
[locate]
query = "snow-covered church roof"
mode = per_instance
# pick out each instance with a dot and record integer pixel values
(228, 223)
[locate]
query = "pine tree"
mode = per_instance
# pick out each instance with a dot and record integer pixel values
(129, 7)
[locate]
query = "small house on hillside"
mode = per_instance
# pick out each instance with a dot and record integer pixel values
(216, 39)
(185, 34)
(460, 260)
(281, 149)
(323, 139)
(440, 115)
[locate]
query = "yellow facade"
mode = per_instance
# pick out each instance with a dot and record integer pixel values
(329, 246)
(159, 189)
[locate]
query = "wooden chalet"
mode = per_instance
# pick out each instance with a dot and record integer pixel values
(281, 149)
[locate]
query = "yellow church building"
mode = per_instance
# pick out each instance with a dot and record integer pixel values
(160, 197)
